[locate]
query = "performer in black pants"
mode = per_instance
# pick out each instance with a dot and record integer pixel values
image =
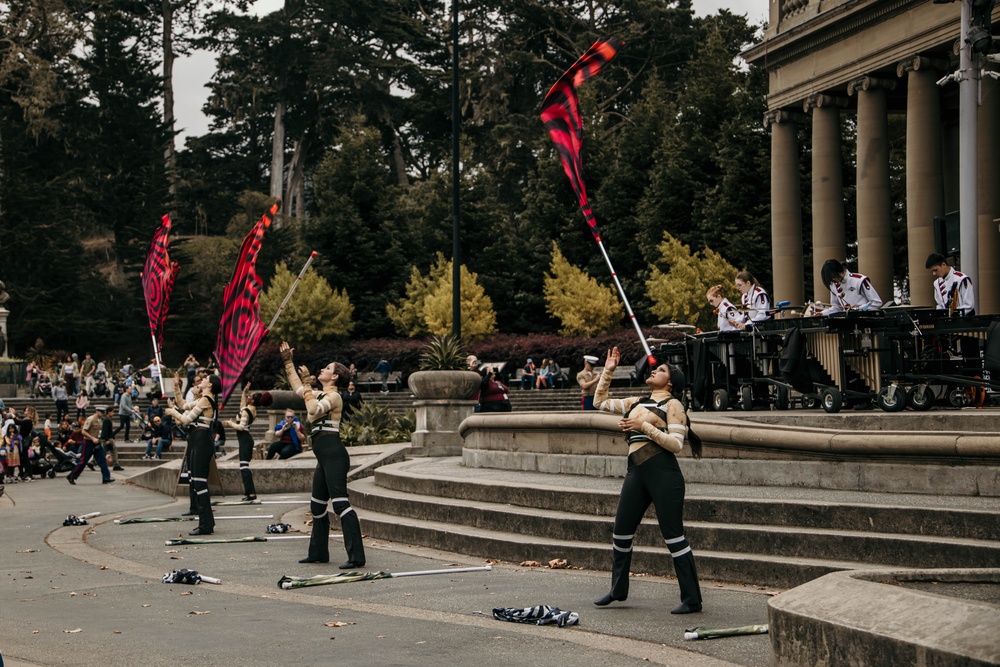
(332, 462)
(248, 412)
(200, 416)
(657, 427)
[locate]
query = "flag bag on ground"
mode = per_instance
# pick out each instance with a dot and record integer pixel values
(716, 633)
(288, 582)
(542, 614)
(186, 576)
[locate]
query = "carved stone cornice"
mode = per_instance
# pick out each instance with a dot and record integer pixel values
(870, 83)
(781, 116)
(919, 63)
(822, 101)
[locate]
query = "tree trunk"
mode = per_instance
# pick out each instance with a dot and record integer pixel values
(170, 152)
(296, 182)
(278, 150)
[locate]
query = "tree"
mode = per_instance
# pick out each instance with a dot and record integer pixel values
(584, 307)
(678, 294)
(426, 308)
(315, 312)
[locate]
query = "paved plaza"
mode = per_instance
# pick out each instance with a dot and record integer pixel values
(92, 595)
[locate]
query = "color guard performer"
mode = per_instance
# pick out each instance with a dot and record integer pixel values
(657, 428)
(754, 299)
(247, 414)
(200, 415)
(332, 461)
(848, 291)
(953, 290)
(729, 316)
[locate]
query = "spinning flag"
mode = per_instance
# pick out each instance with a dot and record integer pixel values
(561, 115)
(240, 329)
(158, 277)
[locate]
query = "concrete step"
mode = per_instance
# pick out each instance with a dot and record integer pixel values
(777, 571)
(811, 510)
(759, 540)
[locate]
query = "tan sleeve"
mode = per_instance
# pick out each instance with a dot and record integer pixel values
(618, 406)
(673, 436)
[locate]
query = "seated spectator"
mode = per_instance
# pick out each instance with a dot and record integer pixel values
(555, 373)
(75, 440)
(492, 393)
(289, 435)
(544, 380)
(529, 375)
(160, 438)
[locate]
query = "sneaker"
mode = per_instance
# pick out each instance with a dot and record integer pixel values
(118, 468)
(146, 458)
(157, 458)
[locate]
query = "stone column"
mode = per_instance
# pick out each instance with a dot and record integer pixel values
(786, 210)
(829, 239)
(874, 199)
(3, 331)
(924, 175)
(988, 296)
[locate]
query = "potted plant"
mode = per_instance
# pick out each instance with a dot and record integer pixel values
(443, 372)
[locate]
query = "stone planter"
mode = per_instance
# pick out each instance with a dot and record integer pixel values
(444, 400)
(444, 384)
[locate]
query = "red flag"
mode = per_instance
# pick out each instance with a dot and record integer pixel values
(561, 115)
(158, 277)
(240, 329)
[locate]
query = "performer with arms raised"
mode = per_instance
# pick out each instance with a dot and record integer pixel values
(332, 461)
(200, 415)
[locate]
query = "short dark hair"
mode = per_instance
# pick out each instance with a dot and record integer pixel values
(832, 268)
(935, 259)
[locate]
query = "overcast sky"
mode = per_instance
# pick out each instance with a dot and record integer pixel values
(192, 73)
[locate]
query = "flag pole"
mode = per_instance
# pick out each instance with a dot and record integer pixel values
(628, 307)
(291, 291)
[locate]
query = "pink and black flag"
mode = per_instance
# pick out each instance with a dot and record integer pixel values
(158, 277)
(240, 329)
(561, 115)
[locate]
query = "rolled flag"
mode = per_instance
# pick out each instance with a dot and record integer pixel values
(542, 614)
(279, 528)
(715, 633)
(170, 519)
(236, 540)
(186, 576)
(288, 581)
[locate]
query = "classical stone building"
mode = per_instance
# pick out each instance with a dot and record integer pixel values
(872, 58)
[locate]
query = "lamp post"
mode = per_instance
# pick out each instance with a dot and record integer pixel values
(456, 214)
(968, 161)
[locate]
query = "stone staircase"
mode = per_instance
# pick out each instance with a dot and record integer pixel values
(777, 537)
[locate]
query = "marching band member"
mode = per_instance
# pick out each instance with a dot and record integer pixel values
(248, 412)
(656, 426)
(953, 290)
(755, 301)
(332, 461)
(848, 291)
(200, 415)
(729, 315)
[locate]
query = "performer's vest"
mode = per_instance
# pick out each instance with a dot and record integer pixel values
(638, 436)
(324, 424)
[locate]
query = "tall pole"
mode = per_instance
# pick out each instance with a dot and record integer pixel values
(968, 170)
(456, 250)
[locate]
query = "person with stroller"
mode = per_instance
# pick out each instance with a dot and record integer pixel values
(92, 447)
(12, 445)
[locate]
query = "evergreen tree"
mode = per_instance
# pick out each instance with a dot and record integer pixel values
(584, 307)
(316, 312)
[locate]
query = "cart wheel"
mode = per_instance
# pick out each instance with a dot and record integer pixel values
(720, 400)
(956, 397)
(781, 400)
(810, 402)
(920, 397)
(52, 474)
(891, 400)
(746, 397)
(831, 400)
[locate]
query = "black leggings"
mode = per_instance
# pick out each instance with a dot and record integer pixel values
(658, 481)
(202, 451)
(246, 453)
(330, 482)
